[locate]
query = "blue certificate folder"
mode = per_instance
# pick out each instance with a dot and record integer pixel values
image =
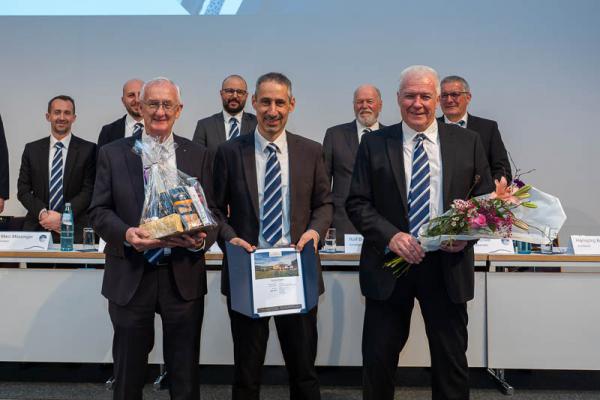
(240, 279)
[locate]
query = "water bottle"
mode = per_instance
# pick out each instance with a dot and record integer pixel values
(66, 229)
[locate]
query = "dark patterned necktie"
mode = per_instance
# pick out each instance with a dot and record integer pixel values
(418, 196)
(272, 222)
(56, 179)
(234, 129)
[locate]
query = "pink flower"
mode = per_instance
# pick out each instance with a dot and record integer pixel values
(505, 192)
(479, 221)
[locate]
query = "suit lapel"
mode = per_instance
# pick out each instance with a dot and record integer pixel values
(70, 163)
(136, 172)
(295, 167)
(43, 153)
(249, 163)
(447, 150)
(352, 138)
(181, 154)
(395, 150)
(219, 121)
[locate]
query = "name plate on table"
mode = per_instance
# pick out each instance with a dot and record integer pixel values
(585, 245)
(25, 240)
(494, 246)
(353, 244)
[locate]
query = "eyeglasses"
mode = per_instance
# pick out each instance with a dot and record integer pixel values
(231, 92)
(454, 95)
(156, 105)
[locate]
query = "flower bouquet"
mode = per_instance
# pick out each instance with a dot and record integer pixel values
(516, 211)
(174, 202)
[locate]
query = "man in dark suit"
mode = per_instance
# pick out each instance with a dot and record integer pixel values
(339, 150)
(455, 99)
(142, 275)
(56, 170)
(404, 175)
(4, 174)
(130, 123)
(232, 121)
(275, 185)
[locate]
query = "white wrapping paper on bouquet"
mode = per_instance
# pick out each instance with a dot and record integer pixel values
(174, 202)
(544, 222)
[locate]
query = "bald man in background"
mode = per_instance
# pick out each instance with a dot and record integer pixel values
(130, 123)
(339, 151)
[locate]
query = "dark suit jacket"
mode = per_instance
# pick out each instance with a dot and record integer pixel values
(492, 144)
(111, 132)
(339, 151)
(78, 181)
(4, 175)
(378, 208)
(236, 187)
(117, 206)
(210, 131)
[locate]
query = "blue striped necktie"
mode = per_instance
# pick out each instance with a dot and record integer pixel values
(234, 129)
(418, 195)
(138, 128)
(56, 179)
(272, 223)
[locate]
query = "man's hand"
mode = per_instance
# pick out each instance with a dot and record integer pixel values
(140, 241)
(50, 220)
(194, 241)
(242, 243)
(453, 246)
(307, 236)
(407, 247)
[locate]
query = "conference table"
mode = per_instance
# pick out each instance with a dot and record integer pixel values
(517, 320)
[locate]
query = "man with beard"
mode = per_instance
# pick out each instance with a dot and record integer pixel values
(130, 123)
(55, 170)
(232, 121)
(339, 150)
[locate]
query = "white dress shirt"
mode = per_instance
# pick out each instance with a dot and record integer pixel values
(463, 118)
(130, 124)
(227, 120)
(65, 141)
(360, 128)
(432, 148)
(261, 155)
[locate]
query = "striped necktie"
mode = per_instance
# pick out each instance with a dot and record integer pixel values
(234, 129)
(138, 128)
(56, 179)
(418, 195)
(272, 223)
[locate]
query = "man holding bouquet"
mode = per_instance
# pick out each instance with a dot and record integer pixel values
(275, 185)
(405, 175)
(144, 276)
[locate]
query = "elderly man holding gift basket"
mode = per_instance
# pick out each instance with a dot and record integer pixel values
(150, 207)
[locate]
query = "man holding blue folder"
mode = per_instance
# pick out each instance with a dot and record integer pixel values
(273, 187)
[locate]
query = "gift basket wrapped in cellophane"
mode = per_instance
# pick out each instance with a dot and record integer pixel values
(174, 202)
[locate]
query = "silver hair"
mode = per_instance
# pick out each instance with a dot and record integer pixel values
(367, 85)
(456, 78)
(276, 77)
(159, 80)
(420, 70)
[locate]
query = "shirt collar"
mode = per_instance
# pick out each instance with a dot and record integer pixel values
(360, 127)
(431, 133)
(464, 118)
(238, 116)
(130, 122)
(260, 143)
(65, 141)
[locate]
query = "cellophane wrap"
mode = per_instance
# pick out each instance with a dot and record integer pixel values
(174, 202)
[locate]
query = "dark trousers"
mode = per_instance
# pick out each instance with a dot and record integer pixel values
(297, 335)
(134, 337)
(386, 329)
